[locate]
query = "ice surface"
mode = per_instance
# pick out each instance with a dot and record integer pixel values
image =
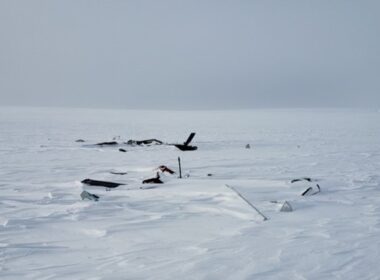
(191, 228)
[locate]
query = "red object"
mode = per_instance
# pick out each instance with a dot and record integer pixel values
(164, 168)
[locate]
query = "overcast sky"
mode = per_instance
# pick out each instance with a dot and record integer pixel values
(190, 54)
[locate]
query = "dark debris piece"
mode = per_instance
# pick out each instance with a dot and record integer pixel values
(91, 182)
(112, 143)
(144, 142)
(311, 191)
(86, 195)
(118, 173)
(122, 150)
(185, 146)
(189, 139)
(155, 180)
(301, 179)
(80, 141)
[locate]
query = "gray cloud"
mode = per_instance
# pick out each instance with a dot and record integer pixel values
(190, 54)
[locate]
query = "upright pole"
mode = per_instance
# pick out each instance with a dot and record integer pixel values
(180, 170)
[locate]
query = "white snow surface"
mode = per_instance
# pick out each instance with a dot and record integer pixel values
(194, 227)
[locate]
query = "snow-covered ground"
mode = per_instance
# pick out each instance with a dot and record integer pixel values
(195, 227)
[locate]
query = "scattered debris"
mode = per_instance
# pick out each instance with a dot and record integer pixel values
(247, 146)
(155, 180)
(118, 173)
(185, 146)
(312, 191)
(286, 207)
(144, 142)
(164, 169)
(249, 203)
(210, 174)
(301, 179)
(86, 195)
(80, 141)
(112, 143)
(122, 150)
(110, 185)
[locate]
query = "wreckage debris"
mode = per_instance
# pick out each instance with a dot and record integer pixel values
(286, 207)
(301, 179)
(185, 146)
(110, 185)
(80, 141)
(311, 191)
(118, 173)
(189, 139)
(155, 180)
(164, 169)
(112, 143)
(122, 150)
(86, 195)
(144, 142)
(247, 146)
